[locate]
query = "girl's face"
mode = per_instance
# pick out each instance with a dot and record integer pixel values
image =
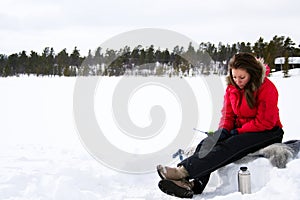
(241, 77)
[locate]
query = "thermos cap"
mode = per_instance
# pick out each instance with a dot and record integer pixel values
(243, 168)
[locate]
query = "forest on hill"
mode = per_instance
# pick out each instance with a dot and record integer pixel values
(204, 59)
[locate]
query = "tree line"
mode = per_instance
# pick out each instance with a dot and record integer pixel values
(110, 62)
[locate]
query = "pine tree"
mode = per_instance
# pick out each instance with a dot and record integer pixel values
(34, 64)
(12, 65)
(23, 63)
(63, 63)
(48, 61)
(166, 56)
(135, 54)
(51, 62)
(98, 61)
(244, 47)
(288, 46)
(75, 58)
(190, 56)
(158, 55)
(286, 65)
(150, 58)
(260, 47)
(3, 60)
(177, 59)
(142, 57)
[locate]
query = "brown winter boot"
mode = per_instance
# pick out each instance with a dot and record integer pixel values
(170, 173)
(181, 188)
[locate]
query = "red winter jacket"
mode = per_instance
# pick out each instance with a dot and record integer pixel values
(236, 114)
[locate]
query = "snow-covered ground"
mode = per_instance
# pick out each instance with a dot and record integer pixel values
(42, 156)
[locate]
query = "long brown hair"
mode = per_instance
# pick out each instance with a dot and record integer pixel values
(254, 67)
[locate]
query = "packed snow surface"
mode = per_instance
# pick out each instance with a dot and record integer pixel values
(42, 155)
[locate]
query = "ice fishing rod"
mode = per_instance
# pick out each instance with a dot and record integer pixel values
(206, 132)
(180, 152)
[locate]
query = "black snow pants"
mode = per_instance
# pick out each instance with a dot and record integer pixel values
(224, 152)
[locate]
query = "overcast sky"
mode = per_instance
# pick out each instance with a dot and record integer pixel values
(36, 24)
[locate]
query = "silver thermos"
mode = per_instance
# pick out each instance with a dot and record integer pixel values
(244, 181)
